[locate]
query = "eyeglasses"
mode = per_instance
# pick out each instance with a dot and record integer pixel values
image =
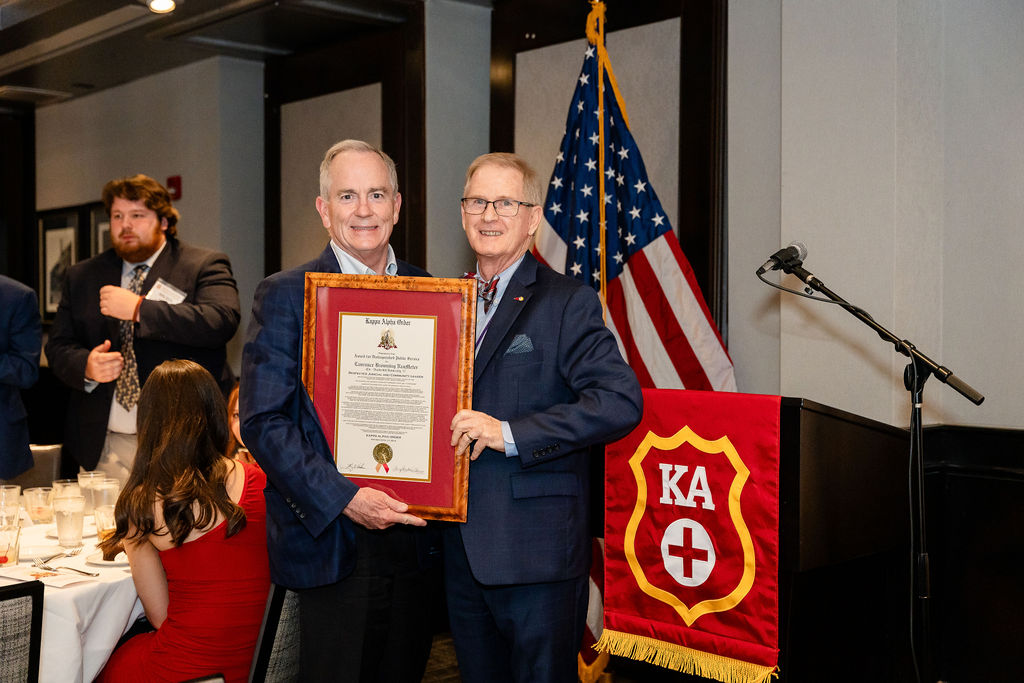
(506, 208)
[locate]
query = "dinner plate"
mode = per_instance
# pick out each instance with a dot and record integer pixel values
(96, 559)
(88, 531)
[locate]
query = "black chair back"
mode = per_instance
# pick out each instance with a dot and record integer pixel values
(277, 650)
(21, 631)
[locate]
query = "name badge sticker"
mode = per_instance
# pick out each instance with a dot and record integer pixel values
(165, 291)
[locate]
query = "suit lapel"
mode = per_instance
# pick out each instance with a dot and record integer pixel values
(513, 302)
(163, 265)
(326, 262)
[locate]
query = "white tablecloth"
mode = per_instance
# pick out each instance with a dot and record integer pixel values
(81, 622)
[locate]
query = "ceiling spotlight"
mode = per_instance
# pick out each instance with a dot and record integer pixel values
(160, 6)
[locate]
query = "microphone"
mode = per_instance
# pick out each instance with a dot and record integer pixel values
(786, 258)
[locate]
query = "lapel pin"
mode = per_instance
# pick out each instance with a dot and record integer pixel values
(519, 298)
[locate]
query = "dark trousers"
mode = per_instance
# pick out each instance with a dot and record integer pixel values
(519, 633)
(377, 624)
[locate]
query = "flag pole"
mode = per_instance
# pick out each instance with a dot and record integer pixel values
(595, 20)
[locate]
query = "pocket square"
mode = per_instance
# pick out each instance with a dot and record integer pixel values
(520, 344)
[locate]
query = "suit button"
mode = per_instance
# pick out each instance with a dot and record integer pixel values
(302, 515)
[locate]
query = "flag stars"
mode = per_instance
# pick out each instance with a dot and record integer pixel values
(582, 216)
(634, 213)
(577, 269)
(561, 157)
(624, 153)
(584, 79)
(594, 139)
(607, 199)
(640, 186)
(557, 182)
(579, 106)
(591, 165)
(610, 173)
(597, 275)
(586, 190)
(658, 219)
(620, 180)
(630, 239)
(555, 208)
(590, 51)
(618, 257)
(580, 242)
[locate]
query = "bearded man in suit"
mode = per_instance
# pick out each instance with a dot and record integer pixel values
(147, 299)
(549, 383)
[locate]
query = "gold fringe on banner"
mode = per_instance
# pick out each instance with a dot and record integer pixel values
(684, 659)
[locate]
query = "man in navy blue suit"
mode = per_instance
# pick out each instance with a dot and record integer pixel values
(20, 344)
(549, 383)
(364, 575)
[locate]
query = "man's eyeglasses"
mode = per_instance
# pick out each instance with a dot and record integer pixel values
(506, 208)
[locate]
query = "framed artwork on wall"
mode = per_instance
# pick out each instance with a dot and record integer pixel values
(58, 251)
(66, 236)
(99, 229)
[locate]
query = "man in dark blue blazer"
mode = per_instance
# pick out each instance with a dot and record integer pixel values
(20, 344)
(364, 588)
(549, 383)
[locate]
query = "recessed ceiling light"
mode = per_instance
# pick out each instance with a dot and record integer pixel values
(161, 6)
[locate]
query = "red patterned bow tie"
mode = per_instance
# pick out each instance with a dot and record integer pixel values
(486, 289)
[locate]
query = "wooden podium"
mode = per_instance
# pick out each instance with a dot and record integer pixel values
(845, 558)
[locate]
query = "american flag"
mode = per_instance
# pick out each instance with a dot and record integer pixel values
(655, 308)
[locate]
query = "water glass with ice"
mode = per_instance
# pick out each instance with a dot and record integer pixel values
(69, 513)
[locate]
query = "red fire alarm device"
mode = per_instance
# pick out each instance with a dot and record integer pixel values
(174, 187)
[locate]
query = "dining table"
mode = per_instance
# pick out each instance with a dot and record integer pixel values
(84, 619)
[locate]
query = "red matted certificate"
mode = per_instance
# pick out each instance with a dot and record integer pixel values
(387, 362)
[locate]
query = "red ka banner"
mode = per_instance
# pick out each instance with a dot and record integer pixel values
(691, 535)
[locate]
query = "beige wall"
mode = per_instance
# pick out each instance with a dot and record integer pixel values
(886, 136)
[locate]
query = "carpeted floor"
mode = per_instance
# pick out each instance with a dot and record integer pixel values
(442, 667)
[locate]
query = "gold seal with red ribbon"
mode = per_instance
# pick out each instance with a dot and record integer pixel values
(382, 453)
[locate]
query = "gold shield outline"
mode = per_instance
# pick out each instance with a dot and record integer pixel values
(725, 447)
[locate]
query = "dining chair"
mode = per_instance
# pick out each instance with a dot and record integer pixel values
(276, 659)
(45, 469)
(21, 631)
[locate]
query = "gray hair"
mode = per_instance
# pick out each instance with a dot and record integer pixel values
(354, 146)
(531, 181)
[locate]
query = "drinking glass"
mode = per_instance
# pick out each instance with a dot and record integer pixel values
(9, 536)
(10, 504)
(87, 482)
(105, 523)
(106, 492)
(69, 513)
(66, 487)
(39, 503)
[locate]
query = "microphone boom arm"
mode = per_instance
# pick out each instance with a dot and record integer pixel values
(923, 362)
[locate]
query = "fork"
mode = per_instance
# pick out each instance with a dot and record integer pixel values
(63, 553)
(42, 565)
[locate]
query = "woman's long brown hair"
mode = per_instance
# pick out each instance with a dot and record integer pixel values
(183, 433)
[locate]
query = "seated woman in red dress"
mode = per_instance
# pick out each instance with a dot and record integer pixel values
(193, 524)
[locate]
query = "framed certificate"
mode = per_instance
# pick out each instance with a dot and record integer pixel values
(388, 361)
